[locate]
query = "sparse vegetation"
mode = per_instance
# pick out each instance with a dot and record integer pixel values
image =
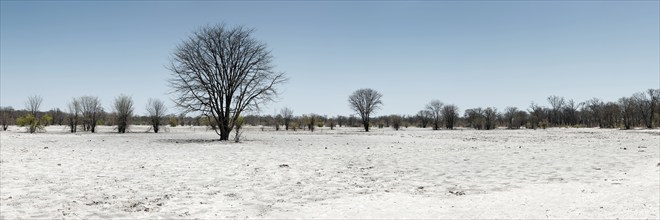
(639, 110)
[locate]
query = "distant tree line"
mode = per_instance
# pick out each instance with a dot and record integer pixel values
(83, 113)
(642, 109)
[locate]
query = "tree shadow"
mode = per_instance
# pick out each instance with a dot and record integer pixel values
(191, 141)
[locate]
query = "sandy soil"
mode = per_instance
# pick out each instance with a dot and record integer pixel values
(345, 173)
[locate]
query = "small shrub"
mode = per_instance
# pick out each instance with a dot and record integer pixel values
(30, 122)
(173, 122)
(47, 120)
(293, 125)
(396, 122)
(544, 124)
(20, 121)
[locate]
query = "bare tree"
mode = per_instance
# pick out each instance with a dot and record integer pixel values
(33, 104)
(557, 103)
(287, 114)
(91, 111)
(611, 115)
(331, 122)
(365, 102)
(654, 96)
(595, 107)
(182, 119)
(277, 120)
(474, 118)
(435, 107)
(509, 115)
(520, 119)
(537, 114)
(156, 109)
(73, 114)
(490, 115)
(58, 116)
(222, 72)
(570, 112)
(642, 108)
(424, 116)
(341, 120)
(627, 106)
(352, 121)
(450, 115)
(310, 121)
(396, 121)
(6, 117)
(645, 106)
(124, 110)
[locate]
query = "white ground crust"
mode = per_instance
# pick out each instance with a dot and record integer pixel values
(345, 173)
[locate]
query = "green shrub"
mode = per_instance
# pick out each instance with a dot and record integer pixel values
(173, 122)
(30, 122)
(47, 120)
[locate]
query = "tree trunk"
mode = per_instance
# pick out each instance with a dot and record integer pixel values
(224, 135)
(649, 124)
(366, 125)
(224, 131)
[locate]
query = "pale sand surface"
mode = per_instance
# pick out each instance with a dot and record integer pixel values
(411, 173)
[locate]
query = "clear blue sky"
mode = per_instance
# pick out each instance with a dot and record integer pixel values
(471, 54)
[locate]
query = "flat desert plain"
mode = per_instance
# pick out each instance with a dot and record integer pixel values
(344, 173)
